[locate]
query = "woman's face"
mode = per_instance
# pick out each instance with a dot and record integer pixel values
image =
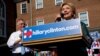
(67, 11)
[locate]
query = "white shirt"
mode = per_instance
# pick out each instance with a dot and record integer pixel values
(11, 41)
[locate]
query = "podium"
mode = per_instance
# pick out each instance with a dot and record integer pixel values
(65, 33)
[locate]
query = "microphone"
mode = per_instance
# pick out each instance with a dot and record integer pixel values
(62, 15)
(59, 17)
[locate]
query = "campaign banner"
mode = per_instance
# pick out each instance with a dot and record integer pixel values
(95, 45)
(95, 35)
(52, 30)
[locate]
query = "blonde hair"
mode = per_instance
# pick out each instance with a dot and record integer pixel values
(72, 7)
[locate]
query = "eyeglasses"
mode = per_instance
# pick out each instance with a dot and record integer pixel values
(22, 23)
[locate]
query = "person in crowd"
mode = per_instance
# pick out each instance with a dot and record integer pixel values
(15, 41)
(68, 12)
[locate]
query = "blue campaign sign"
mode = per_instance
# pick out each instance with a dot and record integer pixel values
(52, 30)
(95, 35)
